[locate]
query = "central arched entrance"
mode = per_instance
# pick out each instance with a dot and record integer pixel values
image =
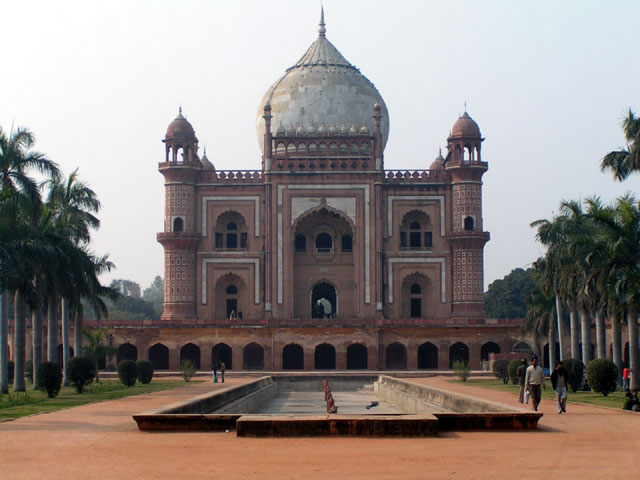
(324, 300)
(325, 357)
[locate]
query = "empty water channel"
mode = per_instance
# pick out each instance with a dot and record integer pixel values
(367, 405)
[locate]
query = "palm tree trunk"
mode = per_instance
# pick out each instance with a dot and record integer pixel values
(52, 329)
(65, 341)
(560, 326)
(77, 332)
(552, 345)
(632, 320)
(585, 327)
(601, 334)
(36, 324)
(616, 344)
(19, 340)
(575, 332)
(4, 342)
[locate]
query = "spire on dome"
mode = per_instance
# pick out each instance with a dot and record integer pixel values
(321, 29)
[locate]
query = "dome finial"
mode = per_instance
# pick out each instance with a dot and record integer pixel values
(321, 29)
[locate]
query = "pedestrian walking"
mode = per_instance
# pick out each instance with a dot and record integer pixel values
(534, 381)
(522, 371)
(215, 372)
(559, 381)
(626, 378)
(223, 368)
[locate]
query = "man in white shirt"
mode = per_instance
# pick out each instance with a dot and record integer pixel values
(533, 380)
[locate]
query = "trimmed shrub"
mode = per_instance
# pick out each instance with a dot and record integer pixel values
(188, 369)
(514, 365)
(12, 370)
(81, 371)
(28, 370)
(127, 372)
(575, 370)
(145, 371)
(462, 370)
(49, 378)
(501, 370)
(602, 375)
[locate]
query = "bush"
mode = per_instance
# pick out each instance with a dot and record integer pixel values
(49, 378)
(145, 371)
(602, 375)
(462, 370)
(501, 370)
(188, 369)
(127, 372)
(514, 365)
(12, 370)
(81, 372)
(575, 371)
(28, 370)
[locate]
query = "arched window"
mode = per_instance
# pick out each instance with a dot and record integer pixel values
(324, 243)
(365, 149)
(468, 223)
(333, 149)
(347, 243)
(281, 149)
(322, 149)
(344, 149)
(415, 232)
(467, 153)
(232, 290)
(230, 232)
(178, 224)
(313, 149)
(291, 149)
(354, 149)
(301, 243)
(302, 148)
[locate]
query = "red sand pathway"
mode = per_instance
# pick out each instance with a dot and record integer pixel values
(101, 441)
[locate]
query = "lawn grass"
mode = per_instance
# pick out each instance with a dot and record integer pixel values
(18, 404)
(613, 400)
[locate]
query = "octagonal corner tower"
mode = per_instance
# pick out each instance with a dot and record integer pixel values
(322, 92)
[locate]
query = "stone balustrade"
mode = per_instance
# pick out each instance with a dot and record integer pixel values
(417, 176)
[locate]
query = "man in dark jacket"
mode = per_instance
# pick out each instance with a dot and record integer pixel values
(560, 380)
(522, 371)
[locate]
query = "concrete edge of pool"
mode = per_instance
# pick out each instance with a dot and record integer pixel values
(232, 404)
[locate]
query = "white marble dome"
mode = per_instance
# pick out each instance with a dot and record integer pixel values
(322, 88)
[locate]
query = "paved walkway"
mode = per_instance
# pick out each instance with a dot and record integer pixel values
(102, 441)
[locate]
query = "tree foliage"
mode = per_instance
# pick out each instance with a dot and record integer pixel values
(506, 298)
(602, 376)
(81, 372)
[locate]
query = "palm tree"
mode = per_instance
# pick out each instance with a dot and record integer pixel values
(73, 205)
(541, 313)
(625, 161)
(97, 348)
(19, 196)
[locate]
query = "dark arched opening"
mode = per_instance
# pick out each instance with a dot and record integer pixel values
(325, 357)
(487, 349)
(468, 223)
(178, 224)
(159, 357)
(190, 352)
(458, 352)
(357, 357)
(126, 351)
(396, 356)
(253, 357)
(301, 243)
(292, 357)
(323, 301)
(347, 243)
(222, 353)
(522, 347)
(324, 243)
(428, 356)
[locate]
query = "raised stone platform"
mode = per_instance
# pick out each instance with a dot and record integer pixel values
(292, 405)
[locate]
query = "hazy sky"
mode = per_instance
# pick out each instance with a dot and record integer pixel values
(547, 81)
